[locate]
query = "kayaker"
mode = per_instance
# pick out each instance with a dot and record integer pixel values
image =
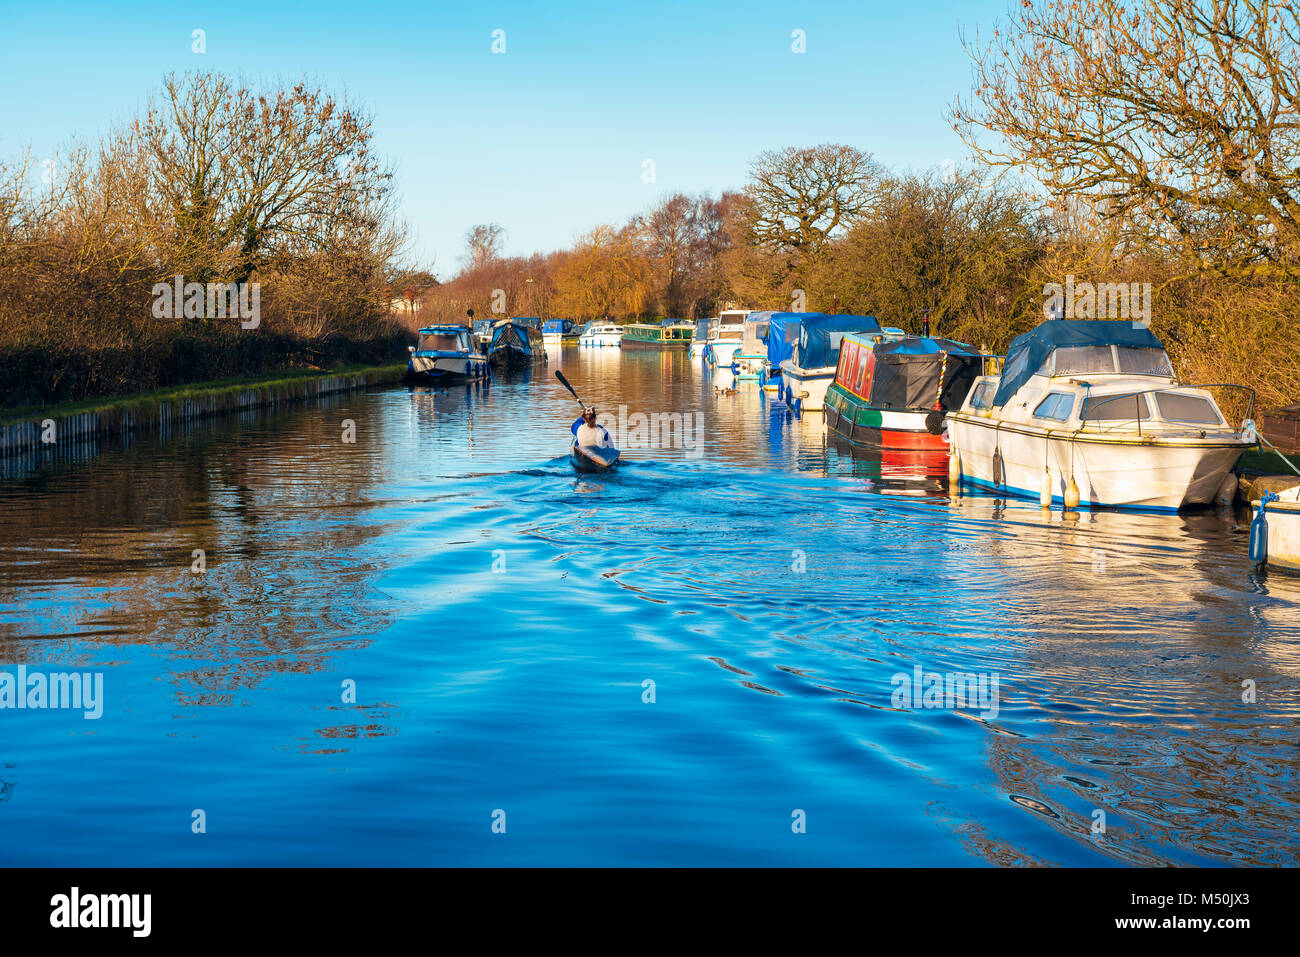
(587, 432)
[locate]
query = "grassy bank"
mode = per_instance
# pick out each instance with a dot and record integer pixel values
(1265, 462)
(193, 390)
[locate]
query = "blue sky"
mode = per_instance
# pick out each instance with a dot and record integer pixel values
(550, 137)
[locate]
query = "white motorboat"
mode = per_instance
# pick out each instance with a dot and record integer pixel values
(444, 352)
(1089, 412)
(601, 336)
(725, 335)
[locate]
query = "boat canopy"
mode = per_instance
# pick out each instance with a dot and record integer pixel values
(820, 338)
(702, 329)
(1027, 353)
(782, 334)
(755, 331)
(558, 326)
(907, 373)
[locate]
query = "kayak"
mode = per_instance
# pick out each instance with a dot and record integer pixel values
(589, 458)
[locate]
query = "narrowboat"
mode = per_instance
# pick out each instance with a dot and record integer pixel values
(747, 361)
(600, 335)
(444, 352)
(1089, 412)
(808, 373)
(1280, 543)
(516, 344)
(724, 337)
(669, 334)
(782, 335)
(893, 393)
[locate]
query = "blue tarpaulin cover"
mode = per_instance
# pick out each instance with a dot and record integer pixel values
(820, 338)
(782, 334)
(1028, 352)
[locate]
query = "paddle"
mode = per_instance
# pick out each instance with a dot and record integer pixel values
(565, 382)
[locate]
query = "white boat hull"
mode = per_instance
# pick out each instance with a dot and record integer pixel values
(1283, 520)
(605, 340)
(1164, 473)
(807, 387)
(722, 351)
(448, 367)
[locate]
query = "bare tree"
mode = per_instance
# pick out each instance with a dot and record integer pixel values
(802, 197)
(1176, 121)
(483, 244)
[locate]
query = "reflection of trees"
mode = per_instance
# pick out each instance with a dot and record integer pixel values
(101, 550)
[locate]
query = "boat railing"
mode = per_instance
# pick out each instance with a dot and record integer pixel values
(1090, 407)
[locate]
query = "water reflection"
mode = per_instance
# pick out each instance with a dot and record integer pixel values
(450, 566)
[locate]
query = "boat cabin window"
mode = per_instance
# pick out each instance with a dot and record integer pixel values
(982, 397)
(1057, 405)
(860, 379)
(1144, 362)
(441, 341)
(1079, 360)
(1179, 407)
(1102, 408)
(1098, 360)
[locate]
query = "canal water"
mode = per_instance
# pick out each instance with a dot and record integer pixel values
(436, 644)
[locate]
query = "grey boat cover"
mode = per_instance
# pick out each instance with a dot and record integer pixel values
(907, 373)
(1028, 352)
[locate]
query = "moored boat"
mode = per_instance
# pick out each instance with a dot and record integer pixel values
(747, 361)
(700, 338)
(1280, 547)
(558, 331)
(516, 344)
(809, 371)
(444, 352)
(597, 336)
(669, 334)
(1088, 412)
(892, 392)
(725, 335)
(778, 345)
(481, 336)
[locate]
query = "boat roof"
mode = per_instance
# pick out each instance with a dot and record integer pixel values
(444, 327)
(820, 337)
(782, 333)
(1028, 352)
(926, 346)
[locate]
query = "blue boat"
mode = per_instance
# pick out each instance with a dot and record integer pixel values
(782, 337)
(516, 344)
(444, 352)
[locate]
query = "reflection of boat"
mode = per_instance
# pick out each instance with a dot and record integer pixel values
(808, 373)
(1091, 407)
(893, 393)
(516, 343)
(595, 336)
(444, 352)
(1282, 520)
(669, 334)
(724, 337)
(778, 345)
(896, 471)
